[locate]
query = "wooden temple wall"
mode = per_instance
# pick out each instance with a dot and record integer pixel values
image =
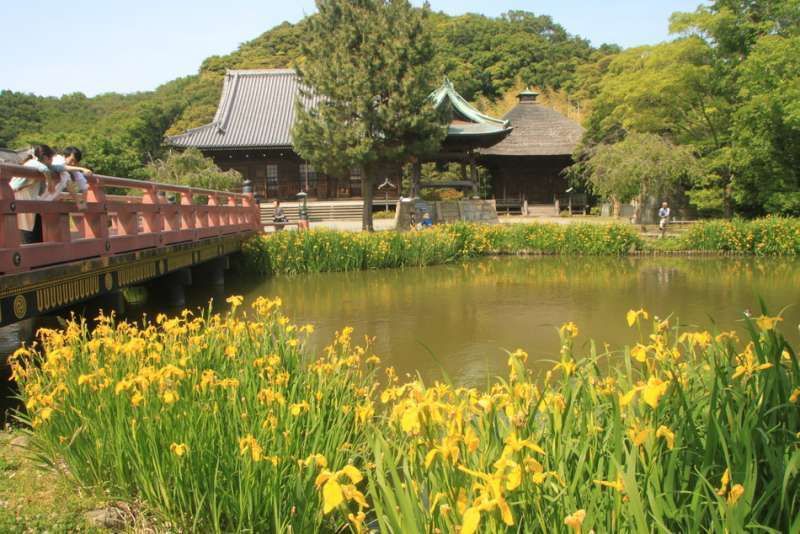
(290, 182)
(537, 179)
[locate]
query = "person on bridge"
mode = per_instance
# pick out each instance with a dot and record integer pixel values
(76, 182)
(46, 188)
(72, 157)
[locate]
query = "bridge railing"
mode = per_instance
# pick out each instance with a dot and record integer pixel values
(109, 224)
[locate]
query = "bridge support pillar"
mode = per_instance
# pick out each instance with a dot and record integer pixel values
(170, 288)
(108, 302)
(212, 272)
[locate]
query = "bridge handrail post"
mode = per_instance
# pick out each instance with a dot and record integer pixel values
(231, 214)
(9, 231)
(95, 223)
(152, 221)
(188, 213)
(253, 213)
(213, 212)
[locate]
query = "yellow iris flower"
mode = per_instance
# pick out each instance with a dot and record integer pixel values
(178, 449)
(632, 317)
(575, 520)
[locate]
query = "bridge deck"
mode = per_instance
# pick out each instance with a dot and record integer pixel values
(112, 240)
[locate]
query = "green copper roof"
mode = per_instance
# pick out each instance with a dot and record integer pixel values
(483, 124)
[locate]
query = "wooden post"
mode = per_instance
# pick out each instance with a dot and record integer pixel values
(367, 193)
(187, 214)
(152, 221)
(9, 231)
(55, 227)
(473, 173)
(95, 222)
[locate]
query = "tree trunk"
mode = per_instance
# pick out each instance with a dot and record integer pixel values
(368, 192)
(415, 178)
(616, 207)
(641, 206)
(727, 199)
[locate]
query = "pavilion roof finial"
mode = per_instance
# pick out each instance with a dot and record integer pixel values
(527, 95)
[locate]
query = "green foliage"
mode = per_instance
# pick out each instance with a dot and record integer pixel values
(483, 56)
(766, 131)
(369, 64)
(325, 250)
(639, 165)
(729, 87)
(771, 236)
(191, 168)
(486, 57)
(117, 134)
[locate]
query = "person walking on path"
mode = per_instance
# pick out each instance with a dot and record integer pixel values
(279, 216)
(663, 219)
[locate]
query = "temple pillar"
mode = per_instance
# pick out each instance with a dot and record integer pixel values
(473, 173)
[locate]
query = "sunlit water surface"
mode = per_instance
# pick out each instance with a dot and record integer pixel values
(460, 319)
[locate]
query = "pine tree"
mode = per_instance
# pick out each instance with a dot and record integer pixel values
(367, 74)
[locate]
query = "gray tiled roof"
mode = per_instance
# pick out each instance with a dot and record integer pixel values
(8, 155)
(256, 109)
(538, 131)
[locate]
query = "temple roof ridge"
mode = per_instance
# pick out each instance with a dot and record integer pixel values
(460, 104)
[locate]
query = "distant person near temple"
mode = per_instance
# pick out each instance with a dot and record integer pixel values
(279, 216)
(427, 221)
(663, 218)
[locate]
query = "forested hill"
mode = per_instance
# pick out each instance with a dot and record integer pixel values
(483, 56)
(725, 90)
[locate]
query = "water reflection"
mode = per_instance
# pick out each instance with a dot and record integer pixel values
(467, 314)
(11, 337)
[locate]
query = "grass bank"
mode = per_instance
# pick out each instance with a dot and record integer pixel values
(327, 250)
(225, 423)
(36, 498)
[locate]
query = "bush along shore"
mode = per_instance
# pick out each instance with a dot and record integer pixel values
(327, 250)
(226, 423)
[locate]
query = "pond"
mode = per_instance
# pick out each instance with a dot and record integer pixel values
(460, 319)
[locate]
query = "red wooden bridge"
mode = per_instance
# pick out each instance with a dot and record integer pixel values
(126, 233)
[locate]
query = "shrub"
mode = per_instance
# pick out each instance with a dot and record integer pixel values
(771, 236)
(327, 250)
(207, 419)
(384, 214)
(684, 431)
